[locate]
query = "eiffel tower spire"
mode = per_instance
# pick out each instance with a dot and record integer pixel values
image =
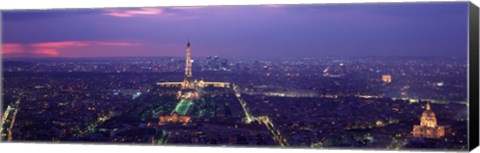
(188, 60)
(188, 82)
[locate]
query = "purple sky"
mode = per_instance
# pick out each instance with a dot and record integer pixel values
(388, 29)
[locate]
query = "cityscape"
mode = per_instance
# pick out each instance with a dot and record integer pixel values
(396, 101)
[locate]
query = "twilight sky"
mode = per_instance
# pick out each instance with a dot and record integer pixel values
(385, 29)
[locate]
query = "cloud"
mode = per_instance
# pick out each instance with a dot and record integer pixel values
(187, 7)
(11, 48)
(133, 12)
(60, 44)
(125, 13)
(52, 49)
(47, 52)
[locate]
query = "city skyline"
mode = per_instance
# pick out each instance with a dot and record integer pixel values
(321, 76)
(244, 111)
(272, 31)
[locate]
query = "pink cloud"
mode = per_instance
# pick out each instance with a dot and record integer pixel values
(53, 49)
(11, 48)
(60, 44)
(133, 12)
(47, 52)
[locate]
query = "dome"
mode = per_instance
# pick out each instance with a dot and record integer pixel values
(428, 117)
(428, 113)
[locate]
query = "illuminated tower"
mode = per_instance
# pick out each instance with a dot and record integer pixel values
(188, 90)
(188, 81)
(428, 127)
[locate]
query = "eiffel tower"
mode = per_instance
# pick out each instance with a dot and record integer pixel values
(188, 89)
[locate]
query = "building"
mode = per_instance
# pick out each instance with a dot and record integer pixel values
(428, 127)
(387, 78)
(8, 121)
(174, 118)
(203, 84)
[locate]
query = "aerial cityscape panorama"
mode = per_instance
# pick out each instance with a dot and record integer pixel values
(380, 75)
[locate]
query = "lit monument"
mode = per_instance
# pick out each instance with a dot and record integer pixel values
(428, 127)
(387, 78)
(188, 93)
(188, 90)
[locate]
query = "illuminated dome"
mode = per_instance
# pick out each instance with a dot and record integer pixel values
(428, 113)
(428, 117)
(428, 127)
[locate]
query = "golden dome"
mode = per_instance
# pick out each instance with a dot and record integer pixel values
(428, 117)
(428, 113)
